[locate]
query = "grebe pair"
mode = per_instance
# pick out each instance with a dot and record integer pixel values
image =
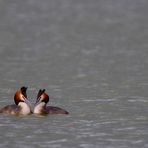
(22, 105)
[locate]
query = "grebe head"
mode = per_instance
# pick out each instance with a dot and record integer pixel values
(42, 97)
(21, 97)
(41, 101)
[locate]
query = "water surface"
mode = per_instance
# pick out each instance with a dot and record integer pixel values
(91, 57)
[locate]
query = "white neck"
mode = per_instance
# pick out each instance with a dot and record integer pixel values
(38, 108)
(25, 109)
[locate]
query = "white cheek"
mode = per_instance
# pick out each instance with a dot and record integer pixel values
(41, 98)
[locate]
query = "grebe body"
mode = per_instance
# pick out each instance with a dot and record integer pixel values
(41, 107)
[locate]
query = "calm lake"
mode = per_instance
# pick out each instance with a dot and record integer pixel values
(91, 56)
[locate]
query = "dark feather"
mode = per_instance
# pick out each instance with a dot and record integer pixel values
(23, 90)
(40, 93)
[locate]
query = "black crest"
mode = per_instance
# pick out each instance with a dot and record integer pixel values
(23, 90)
(40, 93)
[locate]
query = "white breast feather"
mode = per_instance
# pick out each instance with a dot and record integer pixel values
(25, 109)
(38, 108)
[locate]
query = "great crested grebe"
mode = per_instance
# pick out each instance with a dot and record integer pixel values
(41, 108)
(22, 105)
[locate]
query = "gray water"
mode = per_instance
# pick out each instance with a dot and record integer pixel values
(91, 56)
